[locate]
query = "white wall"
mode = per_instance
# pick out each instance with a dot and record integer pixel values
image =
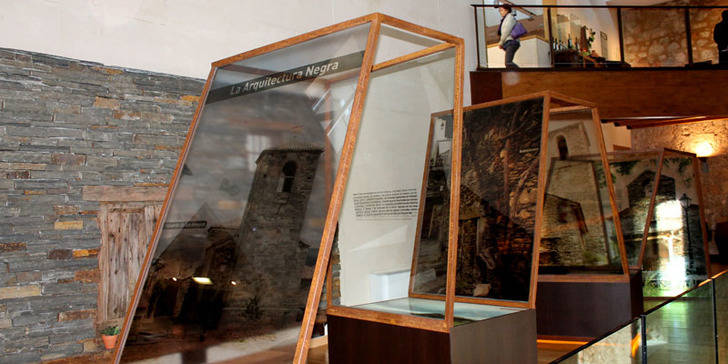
(596, 19)
(183, 37)
(390, 155)
(533, 52)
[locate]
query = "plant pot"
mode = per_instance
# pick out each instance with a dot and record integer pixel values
(109, 341)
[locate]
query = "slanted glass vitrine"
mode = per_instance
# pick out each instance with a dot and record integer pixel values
(234, 270)
(580, 239)
(674, 252)
(634, 175)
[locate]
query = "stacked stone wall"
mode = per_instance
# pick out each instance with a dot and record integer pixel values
(658, 37)
(66, 124)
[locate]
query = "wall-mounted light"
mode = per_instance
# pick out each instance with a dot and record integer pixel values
(174, 279)
(234, 283)
(202, 280)
(704, 149)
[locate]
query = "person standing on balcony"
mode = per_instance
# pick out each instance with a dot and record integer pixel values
(720, 36)
(507, 43)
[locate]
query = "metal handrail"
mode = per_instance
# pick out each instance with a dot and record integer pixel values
(642, 319)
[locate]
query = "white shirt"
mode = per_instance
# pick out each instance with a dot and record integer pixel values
(506, 27)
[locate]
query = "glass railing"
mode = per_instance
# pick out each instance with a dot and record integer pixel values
(689, 328)
(600, 37)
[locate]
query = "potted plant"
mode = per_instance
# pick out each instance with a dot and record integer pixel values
(109, 335)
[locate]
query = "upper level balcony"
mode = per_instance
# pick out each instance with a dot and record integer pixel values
(603, 36)
(640, 64)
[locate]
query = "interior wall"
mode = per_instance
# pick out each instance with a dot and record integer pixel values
(694, 138)
(389, 158)
(65, 126)
(183, 37)
(654, 38)
(599, 20)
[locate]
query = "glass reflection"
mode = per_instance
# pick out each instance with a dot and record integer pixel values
(683, 329)
(500, 152)
(674, 258)
(634, 177)
(578, 234)
(498, 192)
(384, 195)
(231, 271)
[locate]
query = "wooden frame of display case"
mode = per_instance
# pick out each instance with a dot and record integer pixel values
(605, 278)
(659, 156)
(553, 102)
(627, 155)
(651, 210)
(323, 266)
(375, 20)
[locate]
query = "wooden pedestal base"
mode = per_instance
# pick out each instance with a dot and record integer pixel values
(586, 309)
(504, 339)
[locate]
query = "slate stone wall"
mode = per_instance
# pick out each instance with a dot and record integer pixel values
(66, 124)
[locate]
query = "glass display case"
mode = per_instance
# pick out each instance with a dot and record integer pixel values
(580, 233)
(536, 203)
(395, 222)
(674, 253)
(228, 270)
(634, 175)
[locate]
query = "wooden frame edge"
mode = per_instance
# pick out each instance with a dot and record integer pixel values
(581, 278)
(420, 214)
(701, 209)
(474, 300)
(540, 199)
(612, 193)
(651, 209)
(298, 39)
(506, 100)
(411, 56)
(418, 29)
(452, 246)
(332, 216)
(389, 318)
(572, 100)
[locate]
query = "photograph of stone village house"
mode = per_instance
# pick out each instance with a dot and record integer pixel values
(96, 102)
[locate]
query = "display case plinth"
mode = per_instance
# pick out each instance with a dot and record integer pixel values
(509, 338)
(587, 309)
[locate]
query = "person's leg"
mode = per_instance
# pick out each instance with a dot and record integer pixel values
(510, 47)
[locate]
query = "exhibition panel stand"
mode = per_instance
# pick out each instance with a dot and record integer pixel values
(673, 254)
(228, 270)
(581, 262)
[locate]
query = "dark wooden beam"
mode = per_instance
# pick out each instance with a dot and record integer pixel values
(619, 94)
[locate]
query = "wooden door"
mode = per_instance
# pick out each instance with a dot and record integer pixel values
(126, 229)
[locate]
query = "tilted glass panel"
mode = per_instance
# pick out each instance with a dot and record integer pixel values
(682, 330)
(623, 346)
(498, 192)
(431, 246)
(395, 42)
(634, 176)
(231, 271)
(721, 315)
(382, 201)
(674, 256)
(578, 234)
